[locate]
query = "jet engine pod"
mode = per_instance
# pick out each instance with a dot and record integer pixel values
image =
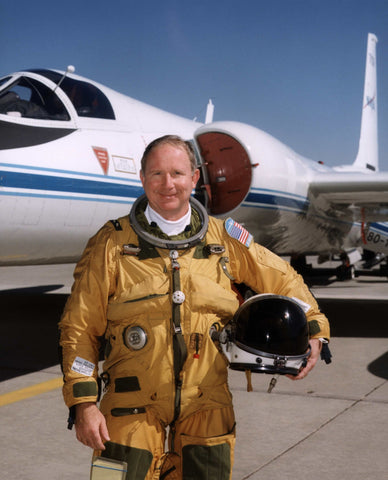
(226, 168)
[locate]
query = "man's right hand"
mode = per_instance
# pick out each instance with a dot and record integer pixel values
(90, 426)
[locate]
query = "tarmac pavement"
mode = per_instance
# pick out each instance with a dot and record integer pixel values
(333, 425)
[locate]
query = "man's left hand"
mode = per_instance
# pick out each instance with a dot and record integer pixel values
(316, 346)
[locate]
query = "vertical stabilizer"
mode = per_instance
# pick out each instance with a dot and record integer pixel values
(368, 154)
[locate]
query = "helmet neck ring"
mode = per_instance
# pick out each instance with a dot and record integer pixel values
(171, 244)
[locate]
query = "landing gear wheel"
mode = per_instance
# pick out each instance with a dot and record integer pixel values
(346, 272)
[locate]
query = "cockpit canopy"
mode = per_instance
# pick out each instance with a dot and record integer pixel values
(30, 98)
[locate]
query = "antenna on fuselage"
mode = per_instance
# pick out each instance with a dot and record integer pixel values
(69, 69)
(209, 112)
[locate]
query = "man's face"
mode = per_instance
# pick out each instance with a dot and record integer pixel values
(168, 181)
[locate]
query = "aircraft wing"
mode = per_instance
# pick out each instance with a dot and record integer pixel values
(351, 195)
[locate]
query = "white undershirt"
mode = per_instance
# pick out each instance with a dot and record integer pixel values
(169, 227)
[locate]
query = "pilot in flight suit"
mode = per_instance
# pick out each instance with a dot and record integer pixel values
(155, 299)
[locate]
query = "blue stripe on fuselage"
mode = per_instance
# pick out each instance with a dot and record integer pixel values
(271, 199)
(57, 184)
(101, 186)
(100, 189)
(379, 227)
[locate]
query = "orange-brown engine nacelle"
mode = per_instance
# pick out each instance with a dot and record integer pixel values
(226, 170)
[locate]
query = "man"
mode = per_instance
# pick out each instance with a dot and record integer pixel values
(154, 284)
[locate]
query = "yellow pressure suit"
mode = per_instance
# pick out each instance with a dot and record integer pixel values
(118, 288)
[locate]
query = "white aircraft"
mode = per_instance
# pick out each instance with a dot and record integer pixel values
(70, 151)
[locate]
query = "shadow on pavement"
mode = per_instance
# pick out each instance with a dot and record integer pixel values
(379, 367)
(29, 327)
(29, 330)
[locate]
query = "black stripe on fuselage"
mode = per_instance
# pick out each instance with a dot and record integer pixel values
(14, 135)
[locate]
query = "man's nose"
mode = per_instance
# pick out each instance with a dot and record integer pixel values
(168, 180)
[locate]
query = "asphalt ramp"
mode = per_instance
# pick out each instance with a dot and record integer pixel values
(332, 425)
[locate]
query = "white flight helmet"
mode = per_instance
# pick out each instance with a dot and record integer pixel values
(268, 334)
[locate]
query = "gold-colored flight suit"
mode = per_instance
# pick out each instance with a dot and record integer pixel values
(119, 286)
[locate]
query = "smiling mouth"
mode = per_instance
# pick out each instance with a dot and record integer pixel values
(169, 196)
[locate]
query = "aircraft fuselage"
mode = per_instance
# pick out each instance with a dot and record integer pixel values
(70, 153)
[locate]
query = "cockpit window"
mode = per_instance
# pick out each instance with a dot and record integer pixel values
(29, 98)
(88, 100)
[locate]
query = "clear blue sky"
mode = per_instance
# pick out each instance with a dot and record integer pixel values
(294, 68)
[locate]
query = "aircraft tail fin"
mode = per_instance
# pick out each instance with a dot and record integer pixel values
(368, 155)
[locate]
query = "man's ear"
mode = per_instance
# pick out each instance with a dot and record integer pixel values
(196, 176)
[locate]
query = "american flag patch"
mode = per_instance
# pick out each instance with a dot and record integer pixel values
(235, 230)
